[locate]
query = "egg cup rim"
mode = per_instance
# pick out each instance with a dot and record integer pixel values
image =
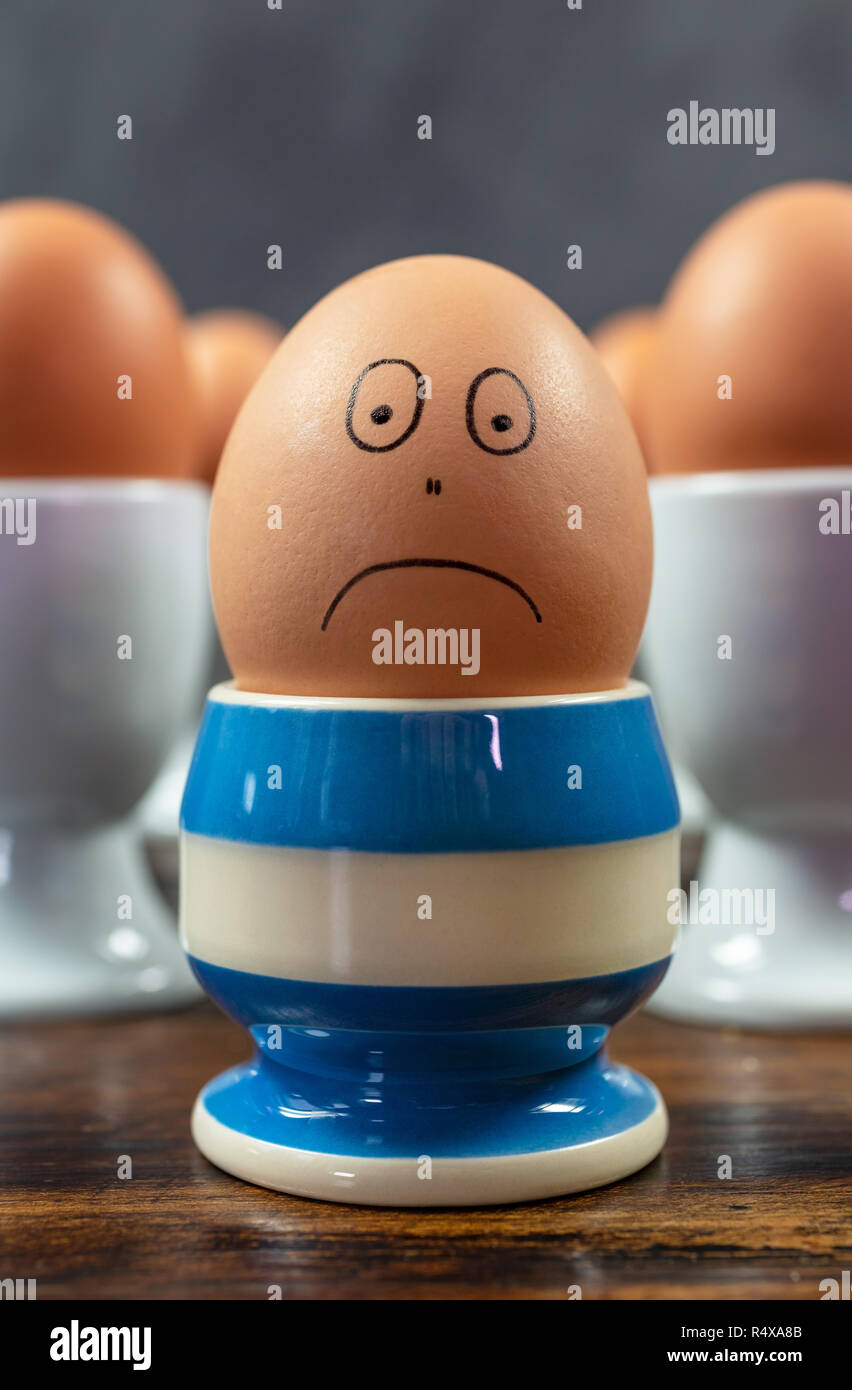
(84, 487)
(750, 481)
(226, 692)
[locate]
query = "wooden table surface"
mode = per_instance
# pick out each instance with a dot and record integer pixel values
(76, 1096)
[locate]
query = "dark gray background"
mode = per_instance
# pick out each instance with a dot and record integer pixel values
(254, 126)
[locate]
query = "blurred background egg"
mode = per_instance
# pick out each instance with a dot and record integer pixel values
(228, 349)
(93, 374)
(753, 360)
(435, 445)
(625, 342)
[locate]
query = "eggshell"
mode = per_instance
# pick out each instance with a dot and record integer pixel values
(412, 454)
(752, 367)
(228, 350)
(86, 317)
(625, 342)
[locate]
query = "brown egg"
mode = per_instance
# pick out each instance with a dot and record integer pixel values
(752, 367)
(434, 449)
(228, 350)
(93, 375)
(625, 342)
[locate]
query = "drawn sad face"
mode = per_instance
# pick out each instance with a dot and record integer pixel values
(433, 490)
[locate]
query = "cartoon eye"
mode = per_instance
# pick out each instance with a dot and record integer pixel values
(384, 405)
(500, 414)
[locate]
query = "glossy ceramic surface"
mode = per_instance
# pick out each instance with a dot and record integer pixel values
(105, 631)
(428, 927)
(757, 566)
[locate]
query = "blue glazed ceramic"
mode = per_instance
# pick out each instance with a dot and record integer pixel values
(429, 915)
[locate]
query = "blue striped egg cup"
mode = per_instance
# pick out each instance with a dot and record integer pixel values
(429, 915)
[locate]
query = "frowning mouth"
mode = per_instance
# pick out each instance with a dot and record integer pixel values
(426, 564)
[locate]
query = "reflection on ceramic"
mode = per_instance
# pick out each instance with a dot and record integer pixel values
(429, 930)
(158, 813)
(748, 557)
(86, 719)
(695, 810)
(694, 807)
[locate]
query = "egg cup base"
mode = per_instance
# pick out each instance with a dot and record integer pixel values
(68, 950)
(787, 962)
(492, 1143)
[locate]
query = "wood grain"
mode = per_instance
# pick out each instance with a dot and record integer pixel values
(76, 1096)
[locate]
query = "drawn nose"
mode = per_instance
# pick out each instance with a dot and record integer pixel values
(433, 485)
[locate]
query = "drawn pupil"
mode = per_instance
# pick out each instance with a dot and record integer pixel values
(381, 414)
(501, 423)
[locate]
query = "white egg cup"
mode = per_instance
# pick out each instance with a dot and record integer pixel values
(768, 734)
(83, 730)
